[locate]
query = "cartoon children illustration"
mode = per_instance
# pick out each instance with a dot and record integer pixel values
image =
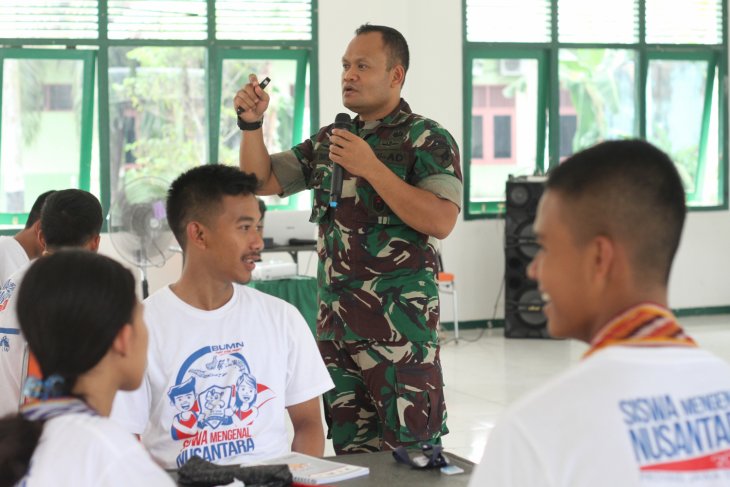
(182, 396)
(250, 396)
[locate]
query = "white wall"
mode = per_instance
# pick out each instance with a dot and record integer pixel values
(156, 277)
(701, 275)
(433, 88)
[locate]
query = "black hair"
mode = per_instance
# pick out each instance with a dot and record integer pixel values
(629, 190)
(71, 306)
(198, 192)
(70, 217)
(35, 211)
(262, 207)
(393, 41)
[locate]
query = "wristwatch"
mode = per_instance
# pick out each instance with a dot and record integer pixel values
(249, 125)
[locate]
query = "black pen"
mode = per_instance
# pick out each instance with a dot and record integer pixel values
(264, 83)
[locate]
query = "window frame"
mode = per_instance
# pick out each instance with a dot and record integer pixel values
(88, 58)
(305, 51)
(301, 58)
(492, 209)
(549, 83)
(714, 60)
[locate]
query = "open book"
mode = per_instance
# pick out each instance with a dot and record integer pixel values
(314, 471)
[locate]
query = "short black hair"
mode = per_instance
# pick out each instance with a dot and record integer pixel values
(196, 193)
(262, 207)
(393, 41)
(70, 218)
(35, 211)
(87, 298)
(628, 190)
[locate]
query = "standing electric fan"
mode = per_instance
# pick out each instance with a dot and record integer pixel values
(138, 225)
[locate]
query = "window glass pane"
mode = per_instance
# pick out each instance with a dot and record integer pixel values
(58, 97)
(306, 122)
(585, 21)
(709, 181)
(157, 112)
(508, 20)
(158, 19)
(684, 21)
(477, 137)
(95, 169)
(264, 19)
(597, 96)
(568, 127)
(502, 136)
(43, 19)
(505, 102)
(40, 144)
(675, 98)
(279, 119)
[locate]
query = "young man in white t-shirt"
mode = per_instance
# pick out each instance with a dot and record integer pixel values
(645, 406)
(70, 218)
(225, 361)
(24, 246)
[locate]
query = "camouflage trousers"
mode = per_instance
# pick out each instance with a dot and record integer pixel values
(385, 395)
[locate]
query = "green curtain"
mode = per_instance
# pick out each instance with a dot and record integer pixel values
(301, 291)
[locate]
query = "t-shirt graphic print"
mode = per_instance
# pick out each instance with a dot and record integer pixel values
(217, 400)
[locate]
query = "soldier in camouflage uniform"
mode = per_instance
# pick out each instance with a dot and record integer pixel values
(378, 299)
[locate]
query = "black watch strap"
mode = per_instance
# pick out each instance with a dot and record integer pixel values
(249, 125)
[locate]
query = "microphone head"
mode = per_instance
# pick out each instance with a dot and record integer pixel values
(343, 121)
(342, 118)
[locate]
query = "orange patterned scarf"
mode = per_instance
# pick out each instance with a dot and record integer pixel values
(644, 325)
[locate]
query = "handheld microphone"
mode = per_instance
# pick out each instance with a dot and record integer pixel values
(342, 121)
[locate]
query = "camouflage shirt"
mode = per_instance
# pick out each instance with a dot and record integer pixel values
(376, 275)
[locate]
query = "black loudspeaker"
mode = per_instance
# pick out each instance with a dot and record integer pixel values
(523, 317)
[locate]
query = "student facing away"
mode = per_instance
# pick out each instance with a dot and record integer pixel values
(79, 313)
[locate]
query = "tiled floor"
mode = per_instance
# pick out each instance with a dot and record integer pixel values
(483, 376)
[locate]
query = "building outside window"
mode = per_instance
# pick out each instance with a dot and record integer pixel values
(547, 78)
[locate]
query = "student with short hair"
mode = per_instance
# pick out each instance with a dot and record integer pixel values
(18, 250)
(80, 314)
(225, 360)
(70, 218)
(645, 406)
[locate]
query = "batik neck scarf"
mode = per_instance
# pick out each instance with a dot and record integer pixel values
(52, 408)
(644, 325)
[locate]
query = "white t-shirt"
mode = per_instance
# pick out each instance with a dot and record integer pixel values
(218, 382)
(12, 344)
(626, 416)
(12, 257)
(82, 450)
